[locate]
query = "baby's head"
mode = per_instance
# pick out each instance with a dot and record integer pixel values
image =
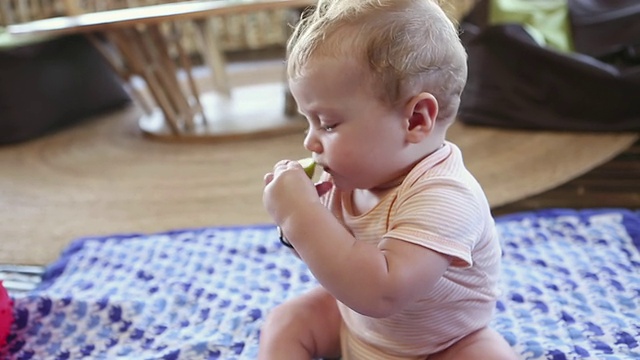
(409, 47)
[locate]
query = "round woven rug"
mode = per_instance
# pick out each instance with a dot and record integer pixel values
(103, 177)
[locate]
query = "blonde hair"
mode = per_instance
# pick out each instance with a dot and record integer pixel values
(409, 45)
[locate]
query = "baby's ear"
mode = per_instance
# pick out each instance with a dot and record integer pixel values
(421, 112)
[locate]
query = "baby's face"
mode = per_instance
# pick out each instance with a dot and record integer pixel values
(353, 135)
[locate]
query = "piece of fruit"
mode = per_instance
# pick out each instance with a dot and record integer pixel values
(308, 165)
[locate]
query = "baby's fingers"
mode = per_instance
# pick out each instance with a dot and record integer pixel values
(268, 177)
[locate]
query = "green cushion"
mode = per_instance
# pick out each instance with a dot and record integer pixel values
(547, 21)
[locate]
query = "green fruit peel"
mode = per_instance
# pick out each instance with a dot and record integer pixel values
(308, 165)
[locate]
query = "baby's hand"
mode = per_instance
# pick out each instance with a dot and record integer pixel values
(309, 166)
(288, 189)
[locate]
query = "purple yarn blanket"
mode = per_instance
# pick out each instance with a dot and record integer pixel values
(570, 290)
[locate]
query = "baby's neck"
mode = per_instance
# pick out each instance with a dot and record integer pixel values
(432, 143)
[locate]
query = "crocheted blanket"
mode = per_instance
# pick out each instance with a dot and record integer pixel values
(570, 289)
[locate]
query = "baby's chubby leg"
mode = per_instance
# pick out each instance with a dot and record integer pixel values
(305, 327)
(484, 344)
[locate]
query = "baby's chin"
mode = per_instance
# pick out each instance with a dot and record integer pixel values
(345, 186)
(341, 185)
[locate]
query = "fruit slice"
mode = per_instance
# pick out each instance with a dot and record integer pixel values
(308, 165)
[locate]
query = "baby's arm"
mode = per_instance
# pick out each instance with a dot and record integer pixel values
(374, 280)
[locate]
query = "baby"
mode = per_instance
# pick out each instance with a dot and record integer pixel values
(398, 233)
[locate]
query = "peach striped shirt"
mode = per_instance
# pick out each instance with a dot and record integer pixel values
(441, 206)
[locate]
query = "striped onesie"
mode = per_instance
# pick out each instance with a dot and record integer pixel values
(441, 206)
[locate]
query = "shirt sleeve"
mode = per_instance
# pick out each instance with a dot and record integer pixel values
(441, 214)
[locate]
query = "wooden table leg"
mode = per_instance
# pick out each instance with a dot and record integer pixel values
(130, 46)
(168, 73)
(185, 63)
(117, 65)
(213, 55)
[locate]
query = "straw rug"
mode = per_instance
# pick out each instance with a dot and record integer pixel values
(103, 177)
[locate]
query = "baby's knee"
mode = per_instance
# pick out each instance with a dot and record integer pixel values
(286, 318)
(310, 322)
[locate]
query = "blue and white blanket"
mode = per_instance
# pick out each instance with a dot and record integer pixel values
(571, 289)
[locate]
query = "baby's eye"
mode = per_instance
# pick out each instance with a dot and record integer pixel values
(328, 128)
